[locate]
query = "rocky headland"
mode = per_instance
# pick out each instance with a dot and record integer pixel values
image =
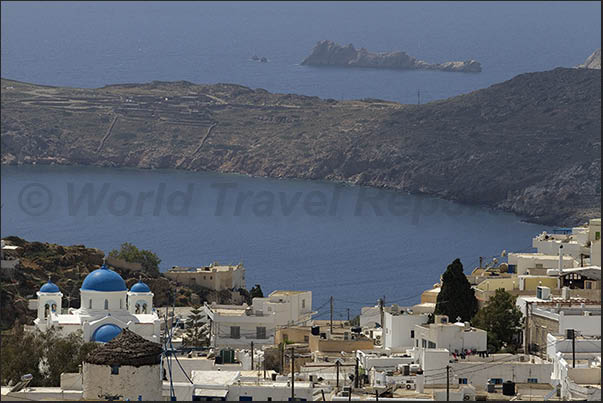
(329, 53)
(530, 145)
(593, 61)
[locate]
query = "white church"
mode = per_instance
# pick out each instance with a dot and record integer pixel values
(107, 307)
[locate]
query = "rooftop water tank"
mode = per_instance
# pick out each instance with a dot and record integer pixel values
(508, 388)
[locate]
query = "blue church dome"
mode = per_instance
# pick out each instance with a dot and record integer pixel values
(104, 279)
(49, 287)
(140, 287)
(106, 333)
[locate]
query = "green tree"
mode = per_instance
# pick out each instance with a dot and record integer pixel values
(20, 354)
(256, 292)
(130, 253)
(501, 319)
(45, 355)
(456, 298)
(196, 334)
(62, 354)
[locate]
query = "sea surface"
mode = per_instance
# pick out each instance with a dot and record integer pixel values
(288, 234)
(91, 44)
(354, 243)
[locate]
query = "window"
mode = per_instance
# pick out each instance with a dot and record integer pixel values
(597, 235)
(423, 343)
(306, 339)
(144, 308)
(412, 334)
(106, 304)
(121, 304)
(260, 332)
(235, 332)
(431, 345)
(417, 343)
(211, 277)
(285, 337)
(90, 303)
(303, 303)
(532, 380)
(462, 381)
(588, 285)
(114, 369)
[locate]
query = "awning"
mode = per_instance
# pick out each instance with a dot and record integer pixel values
(210, 393)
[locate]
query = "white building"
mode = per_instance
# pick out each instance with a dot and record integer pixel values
(399, 329)
(538, 263)
(241, 386)
(7, 262)
(215, 277)
(125, 368)
(577, 375)
(239, 325)
(382, 359)
(455, 337)
(289, 307)
(107, 307)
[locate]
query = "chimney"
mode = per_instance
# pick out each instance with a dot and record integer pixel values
(565, 293)
(420, 382)
(560, 258)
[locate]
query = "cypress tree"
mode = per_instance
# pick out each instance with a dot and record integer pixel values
(456, 298)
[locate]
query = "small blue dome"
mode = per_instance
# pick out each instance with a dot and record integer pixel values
(140, 287)
(106, 333)
(104, 279)
(49, 287)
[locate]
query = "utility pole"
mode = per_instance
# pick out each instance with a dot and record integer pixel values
(381, 314)
(292, 374)
(348, 314)
(573, 347)
(282, 357)
(527, 329)
(331, 314)
(337, 366)
(447, 383)
(376, 395)
(356, 374)
(481, 261)
(419, 96)
(252, 356)
(264, 365)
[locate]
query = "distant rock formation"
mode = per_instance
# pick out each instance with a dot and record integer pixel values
(593, 61)
(329, 53)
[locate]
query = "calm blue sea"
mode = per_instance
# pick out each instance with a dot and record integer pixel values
(88, 44)
(354, 243)
(293, 234)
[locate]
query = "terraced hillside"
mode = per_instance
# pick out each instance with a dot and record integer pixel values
(530, 145)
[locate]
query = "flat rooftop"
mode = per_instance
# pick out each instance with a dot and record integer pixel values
(203, 269)
(286, 292)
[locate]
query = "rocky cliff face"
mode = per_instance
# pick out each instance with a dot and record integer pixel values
(329, 53)
(530, 145)
(593, 61)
